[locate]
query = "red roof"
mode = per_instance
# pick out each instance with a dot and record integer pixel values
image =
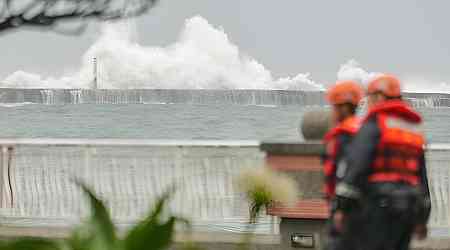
(305, 209)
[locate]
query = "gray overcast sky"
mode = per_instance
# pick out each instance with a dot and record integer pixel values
(405, 37)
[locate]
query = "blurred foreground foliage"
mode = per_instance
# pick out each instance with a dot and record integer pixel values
(154, 232)
(50, 14)
(262, 187)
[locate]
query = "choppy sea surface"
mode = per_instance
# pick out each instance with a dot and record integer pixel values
(173, 121)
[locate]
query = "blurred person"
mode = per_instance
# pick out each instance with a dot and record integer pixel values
(344, 97)
(386, 172)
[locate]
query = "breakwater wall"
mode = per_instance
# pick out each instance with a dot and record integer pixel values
(190, 96)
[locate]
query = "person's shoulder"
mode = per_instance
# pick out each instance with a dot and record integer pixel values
(370, 126)
(370, 121)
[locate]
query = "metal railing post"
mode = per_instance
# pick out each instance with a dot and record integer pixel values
(6, 195)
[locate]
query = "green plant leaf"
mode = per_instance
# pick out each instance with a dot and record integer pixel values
(152, 237)
(151, 233)
(81, 239)
(30, 244)
(101, 233)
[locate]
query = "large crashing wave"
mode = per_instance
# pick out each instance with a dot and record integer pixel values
(202, 58)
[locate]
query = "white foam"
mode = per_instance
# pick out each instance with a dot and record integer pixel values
(421, 85)
(352, 70)
(14, 105)
(266, 106)
(21, 79)
(203, 57)
(158, 103)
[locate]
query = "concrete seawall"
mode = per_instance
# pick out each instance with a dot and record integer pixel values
(169, 96)
(189, 96)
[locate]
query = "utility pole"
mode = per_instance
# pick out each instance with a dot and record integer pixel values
(95, 71)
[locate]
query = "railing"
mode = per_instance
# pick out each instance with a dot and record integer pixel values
(37, 185)
(438, 167)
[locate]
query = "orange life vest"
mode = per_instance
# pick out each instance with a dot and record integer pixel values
(349, 126)
(401, 143)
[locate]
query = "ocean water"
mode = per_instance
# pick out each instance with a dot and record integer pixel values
(173, 121)
(176, 122)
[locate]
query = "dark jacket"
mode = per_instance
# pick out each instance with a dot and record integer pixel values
(360, 158)
(332, 161)
(337, 141)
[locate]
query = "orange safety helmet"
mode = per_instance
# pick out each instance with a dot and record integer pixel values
(387, 84)
(345, 92)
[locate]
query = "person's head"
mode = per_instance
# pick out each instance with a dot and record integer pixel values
(344, 96)
(382, 88)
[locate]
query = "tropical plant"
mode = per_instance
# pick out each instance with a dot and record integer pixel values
(154, 232)
(263, 186)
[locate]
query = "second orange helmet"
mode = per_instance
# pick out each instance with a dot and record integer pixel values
(345, 92)
(389, 85)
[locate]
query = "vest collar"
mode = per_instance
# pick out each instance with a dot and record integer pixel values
(349, 125)
(397, 108)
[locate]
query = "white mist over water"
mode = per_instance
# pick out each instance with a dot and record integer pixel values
(352, 70)
(421, 85)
